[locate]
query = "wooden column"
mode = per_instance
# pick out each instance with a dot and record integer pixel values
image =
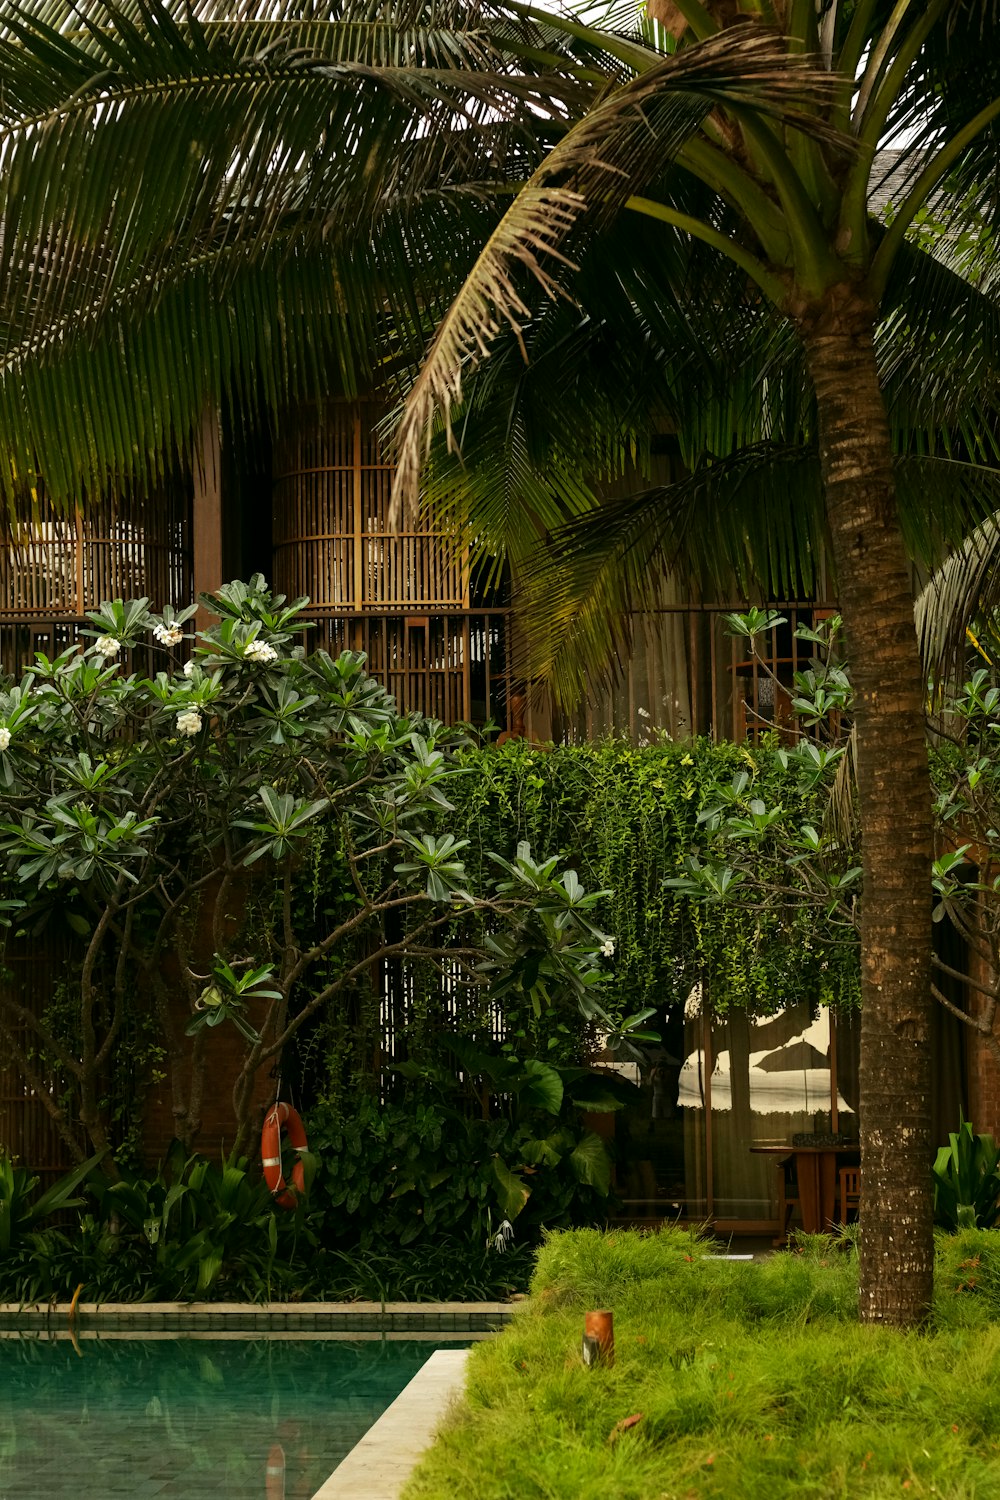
(207, 509)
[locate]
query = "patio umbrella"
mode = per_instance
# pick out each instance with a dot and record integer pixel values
(792, 1057)
(795, 1057)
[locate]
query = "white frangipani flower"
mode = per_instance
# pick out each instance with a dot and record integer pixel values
(608, 948)
(4, 738)
(260, 651)
(503, 1237)
(189, 722)
(168, 635)
(188, 668)
(106, 645)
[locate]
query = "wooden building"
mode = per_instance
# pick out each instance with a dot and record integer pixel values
(310, 512)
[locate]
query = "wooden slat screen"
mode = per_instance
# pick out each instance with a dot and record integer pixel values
(29, 976)
(451, 667)
(404, 599)
(331, 534)
(54, 568)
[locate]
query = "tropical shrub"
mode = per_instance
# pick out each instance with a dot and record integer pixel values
(967, 1180)
(167, 822)
(23, 1211)
(192, 1229)
(195, 1229)
(397, 1173)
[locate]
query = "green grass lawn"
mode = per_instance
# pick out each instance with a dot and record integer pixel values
(754, 1382)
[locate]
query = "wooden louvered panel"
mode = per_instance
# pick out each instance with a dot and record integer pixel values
(130, 549)
(403, 599)
(55, 568)
(38, 565)
(451, 667)
(22, 640)
(331, 535)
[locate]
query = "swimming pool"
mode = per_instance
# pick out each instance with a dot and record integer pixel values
(233, 1417)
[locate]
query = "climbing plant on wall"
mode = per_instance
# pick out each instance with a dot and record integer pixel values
(628, 818)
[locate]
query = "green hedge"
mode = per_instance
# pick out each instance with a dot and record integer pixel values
(627, 817)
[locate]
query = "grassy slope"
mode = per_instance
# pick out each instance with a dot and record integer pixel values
(755, 1382)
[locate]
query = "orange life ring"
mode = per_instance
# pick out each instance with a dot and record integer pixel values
(285, 1195)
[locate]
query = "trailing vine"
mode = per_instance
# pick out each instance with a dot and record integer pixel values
(626, 817)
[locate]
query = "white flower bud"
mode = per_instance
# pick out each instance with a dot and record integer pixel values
(188, 668)
(189, 722)
(4, 738)
(260, 651)
(106, 645)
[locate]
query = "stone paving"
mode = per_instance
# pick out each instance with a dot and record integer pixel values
(378, 1467)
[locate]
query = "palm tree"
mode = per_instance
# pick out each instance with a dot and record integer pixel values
(784, 198)
(198, 202)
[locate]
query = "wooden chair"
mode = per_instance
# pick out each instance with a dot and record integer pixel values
(850, 1191)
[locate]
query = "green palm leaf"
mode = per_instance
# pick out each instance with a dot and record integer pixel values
(607, 157)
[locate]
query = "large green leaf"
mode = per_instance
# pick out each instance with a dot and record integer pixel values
(543, 1087)
(512, 1191)
(592, 1164)
(60, 1194)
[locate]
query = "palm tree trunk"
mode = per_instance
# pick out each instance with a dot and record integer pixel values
(875, 592)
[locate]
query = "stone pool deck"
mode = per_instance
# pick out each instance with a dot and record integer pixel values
(378, 1466)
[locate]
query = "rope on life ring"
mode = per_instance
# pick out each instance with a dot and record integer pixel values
(284, 1194)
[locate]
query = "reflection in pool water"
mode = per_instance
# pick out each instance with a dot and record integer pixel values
(232, 1418)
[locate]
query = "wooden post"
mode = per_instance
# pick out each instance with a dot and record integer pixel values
(207, 510)
(599, 1338)
(834, 1095)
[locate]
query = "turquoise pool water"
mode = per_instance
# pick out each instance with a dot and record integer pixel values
(237, 1418)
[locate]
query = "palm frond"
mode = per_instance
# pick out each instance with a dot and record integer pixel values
(612, 153)
(840, 812)
(749, 526)
(943, 500)
(128, 151)
(962, 590)
(718, 529)
(939, 345)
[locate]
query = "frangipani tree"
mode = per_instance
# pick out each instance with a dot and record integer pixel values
(166, 819)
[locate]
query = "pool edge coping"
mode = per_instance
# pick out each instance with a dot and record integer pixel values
(65, 1311)
(381, 1462)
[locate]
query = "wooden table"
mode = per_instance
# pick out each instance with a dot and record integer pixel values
(816, 1169)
